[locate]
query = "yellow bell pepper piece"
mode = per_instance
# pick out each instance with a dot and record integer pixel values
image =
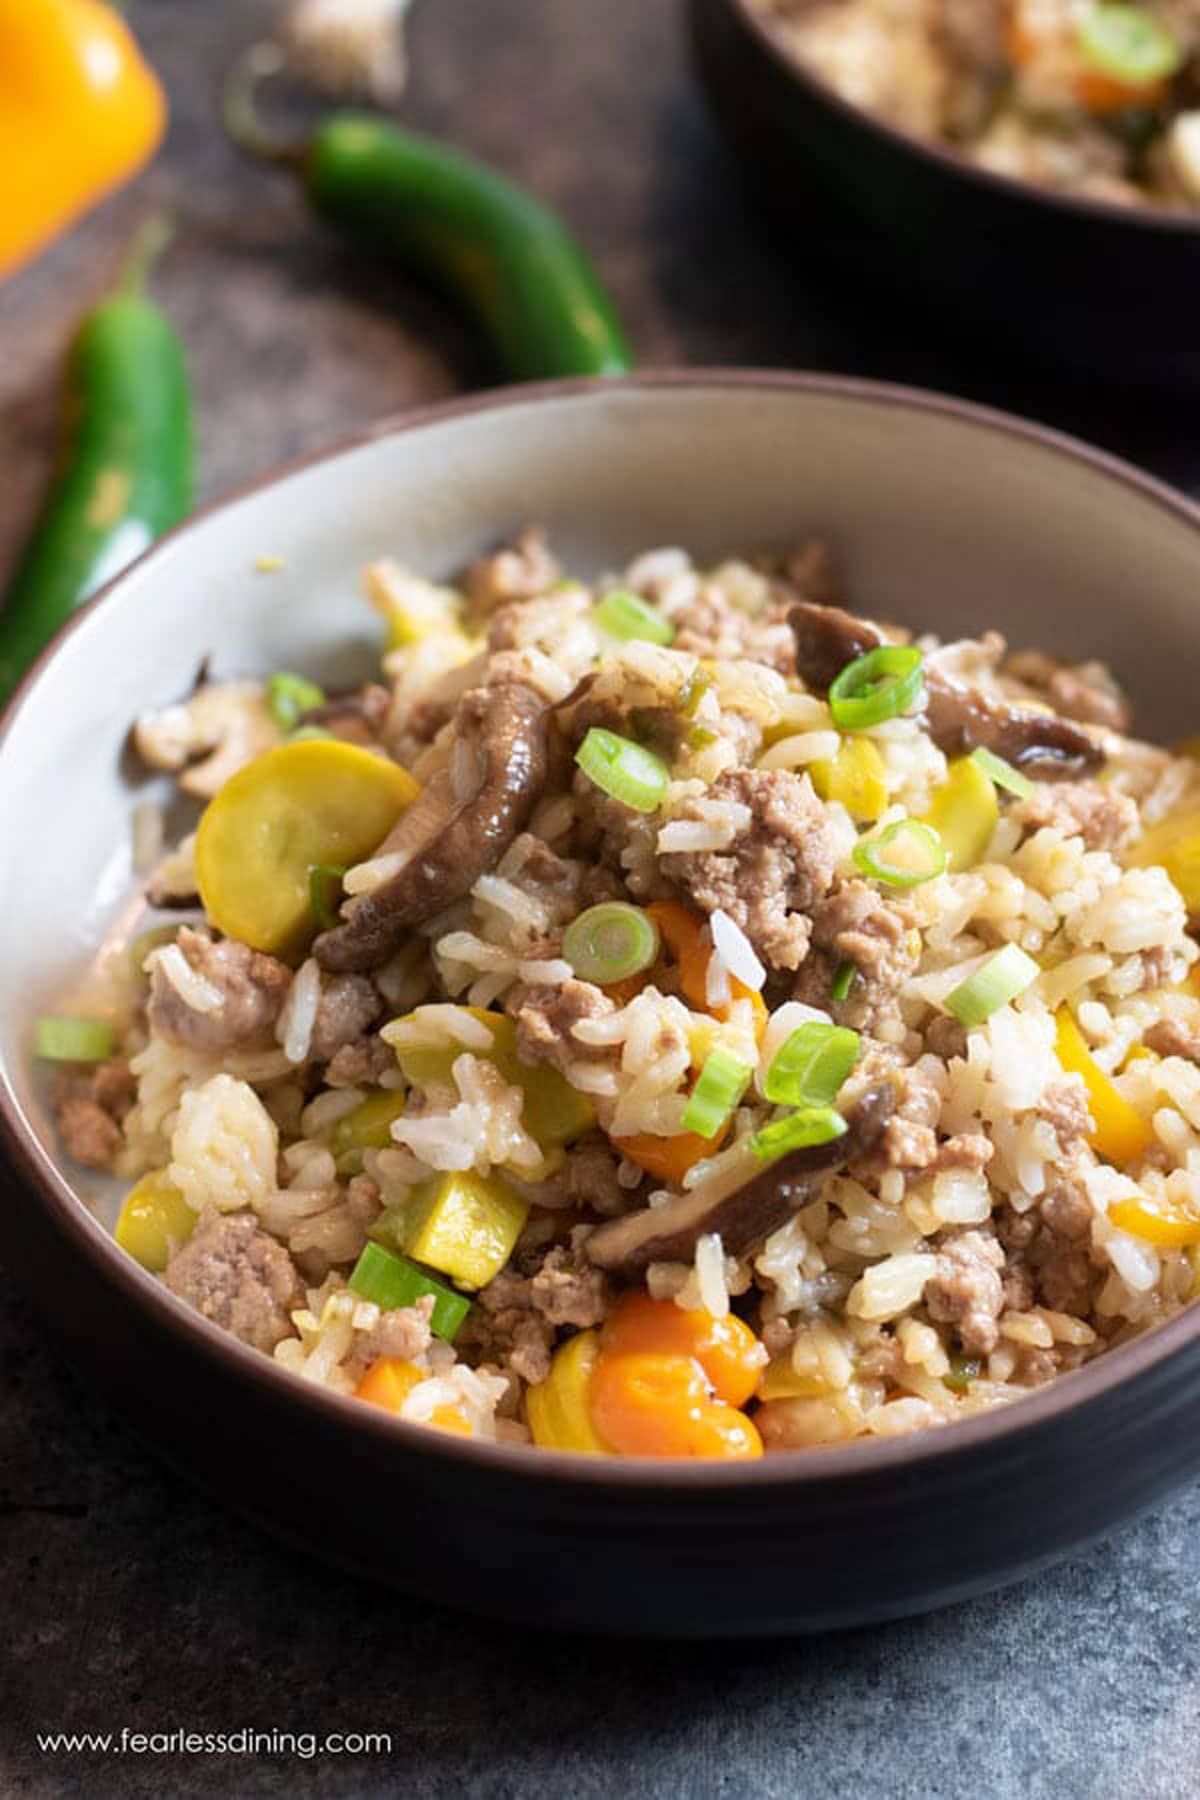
(464, 1225)
(413, 609)
(369, 1126)
(1165, 1228)
(154, 1221)
(80, 113)
(1175, 843)
(315, 801)
(559, 1408)
(856, 778)
(964, 813)
(1121, 1135)
(553, 1112)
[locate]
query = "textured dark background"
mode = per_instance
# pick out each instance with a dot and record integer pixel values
(129, 1599)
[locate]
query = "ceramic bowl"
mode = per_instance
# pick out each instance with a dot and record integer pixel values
(944, 516)
(1080, 285)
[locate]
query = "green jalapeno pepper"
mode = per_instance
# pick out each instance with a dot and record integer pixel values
(495, 249)
(125, 472)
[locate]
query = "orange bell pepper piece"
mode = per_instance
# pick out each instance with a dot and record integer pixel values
(687, 937)
(80, 113)
(388, 1382)
(670, 1158)
(726, 1349)
(648, 1405)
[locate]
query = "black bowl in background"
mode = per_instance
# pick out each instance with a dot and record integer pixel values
(1085, 286)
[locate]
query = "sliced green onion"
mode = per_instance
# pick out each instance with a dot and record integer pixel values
(1000, 980)
(881, 685)
(906, 854)
(1002, 774)
(962, 1372)
(392, 1281)
(611, 942)
(626, 615)
(1130, 44)
(623, 769)
(812, 1064)
(290, 695)
(723, 1081)
(324, 888)
(692, 691)
(813, 1125)
(72, 1040)
(307, 732)
(843, 981)
(700, 737)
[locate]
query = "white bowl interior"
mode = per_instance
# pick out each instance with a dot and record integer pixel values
(941, 520)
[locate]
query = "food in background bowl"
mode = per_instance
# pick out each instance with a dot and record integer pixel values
(1084, 96)
(672, 1017)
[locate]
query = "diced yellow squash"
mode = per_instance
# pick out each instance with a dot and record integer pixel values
(464, 1225)
(1121, 1135)
(856, 778)
(553, 1112)
(312, 802)
(154, 1221)
(964, 813)
(559, 1408)
(369, 1126)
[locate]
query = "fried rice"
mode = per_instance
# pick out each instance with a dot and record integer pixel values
(758, 1029)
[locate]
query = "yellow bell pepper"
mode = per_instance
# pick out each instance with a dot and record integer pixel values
(856, 778)
(964, 813)
(559, 1408)
(1121, 1135)
(1175, 843)
(462, 1224)
(154, 1220)
(1167, 1228)
(80, 113)
(308, 803)
(553, 1112)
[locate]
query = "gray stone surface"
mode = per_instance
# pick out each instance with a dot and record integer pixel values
(131, 1600)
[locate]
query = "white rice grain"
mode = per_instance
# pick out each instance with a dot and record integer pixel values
(197, 994)
(736, 951)
(294, 1027)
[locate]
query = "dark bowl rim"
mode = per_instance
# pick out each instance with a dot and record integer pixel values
(1145, 216)
(861, 1460)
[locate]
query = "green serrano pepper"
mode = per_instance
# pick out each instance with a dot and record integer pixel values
(125, 468)
(495, 249)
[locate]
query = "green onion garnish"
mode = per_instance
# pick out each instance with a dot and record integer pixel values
(723, 1080)
(843, 981)
(962, 1372)
(881, 685)
(72, 1040)
(692, 691)
(814, 1125)
(324, 887)
(1000, 980)
(1002, 774)
(288, 696)
(1129, 43)
(306, 733)
(623, 769)
(903, 856)
(626, 615)
(611, 942)
(392, 1281)
(810, 1067)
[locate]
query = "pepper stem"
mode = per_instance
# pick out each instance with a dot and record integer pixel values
(239, 107)
(148, 245)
